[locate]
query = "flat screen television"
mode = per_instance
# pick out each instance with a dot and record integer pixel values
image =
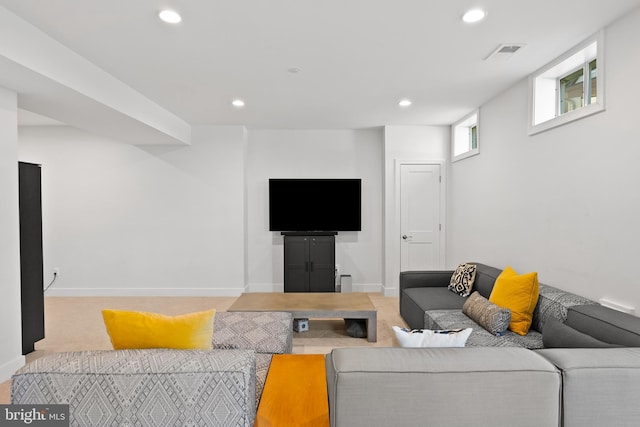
(315, 205)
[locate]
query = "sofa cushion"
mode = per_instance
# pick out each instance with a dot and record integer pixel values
(554, 303)
(431, 338)
(599, 385)
(154, 387)
(493, 318)
(415, 301)
(485, 279)
(519, 293)
(418, 387)
(435, 298)
(425, 278)
(605, 324)
(462, 279)
(427, 290)
(480, 337)
(139, 330)
(262, 331)
(558, 335)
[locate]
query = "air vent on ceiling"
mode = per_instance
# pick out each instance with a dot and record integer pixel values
(505, 51)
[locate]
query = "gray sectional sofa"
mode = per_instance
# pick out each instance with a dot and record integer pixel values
(484, 386)
(560, 318)
(162, 387)
(591, 378)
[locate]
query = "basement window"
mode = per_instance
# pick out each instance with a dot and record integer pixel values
(569, 88)
(464, 137)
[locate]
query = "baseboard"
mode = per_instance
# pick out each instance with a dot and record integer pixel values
(7, 369)
(279, 287)
(193, 292)
(137, 292)
(389, 292)
(366, 287)
(265, 287)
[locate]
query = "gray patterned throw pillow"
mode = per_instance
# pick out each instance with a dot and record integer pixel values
(490, 316)
(462, 279)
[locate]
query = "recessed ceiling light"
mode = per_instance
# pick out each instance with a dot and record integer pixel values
(170, 16)
(294, 70)
(404, 103)
(237, 103)
(474, 15)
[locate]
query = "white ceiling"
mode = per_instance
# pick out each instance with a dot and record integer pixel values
(357, 58)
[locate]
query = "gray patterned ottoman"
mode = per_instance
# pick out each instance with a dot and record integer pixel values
(157, 387)
(161, 387)
(267, 333)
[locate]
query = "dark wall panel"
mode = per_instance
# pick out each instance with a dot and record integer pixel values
(31, 259)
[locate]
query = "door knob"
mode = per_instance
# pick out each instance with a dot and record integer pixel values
(405, 237)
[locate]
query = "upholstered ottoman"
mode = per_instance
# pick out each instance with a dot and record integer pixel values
(267, 333)
(163, 387)
(156, 387)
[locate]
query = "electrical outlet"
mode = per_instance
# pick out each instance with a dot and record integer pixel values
(56, 271)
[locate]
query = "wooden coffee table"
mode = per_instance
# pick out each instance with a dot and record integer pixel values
(313, 305)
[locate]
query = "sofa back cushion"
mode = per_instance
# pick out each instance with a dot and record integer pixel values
(554, 303)
(485, 279)
(605, 324)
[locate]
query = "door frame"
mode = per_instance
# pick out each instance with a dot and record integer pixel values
(393, 256)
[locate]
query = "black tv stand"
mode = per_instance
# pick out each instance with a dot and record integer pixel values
(309, 233)
(310, 261)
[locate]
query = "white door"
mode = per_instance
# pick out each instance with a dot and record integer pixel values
(420, 224)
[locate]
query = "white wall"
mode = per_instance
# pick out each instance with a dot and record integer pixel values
(130, 220)
(10, 321)
(315, 154)
(120, 219)
(404, 143)
(563, 202)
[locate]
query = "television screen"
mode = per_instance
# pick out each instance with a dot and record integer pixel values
(314, 204)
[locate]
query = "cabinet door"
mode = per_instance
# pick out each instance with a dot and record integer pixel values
(322, 263)
(296, 264)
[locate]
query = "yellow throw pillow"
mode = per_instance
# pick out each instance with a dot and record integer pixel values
(138, 329)
(519, 293)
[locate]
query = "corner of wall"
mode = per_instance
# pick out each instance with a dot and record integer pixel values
(10, 315)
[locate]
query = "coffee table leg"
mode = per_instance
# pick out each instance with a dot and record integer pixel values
(372, 327)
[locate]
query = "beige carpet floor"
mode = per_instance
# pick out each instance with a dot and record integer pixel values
(75, 323)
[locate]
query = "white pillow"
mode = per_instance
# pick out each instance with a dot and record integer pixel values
(429, 338)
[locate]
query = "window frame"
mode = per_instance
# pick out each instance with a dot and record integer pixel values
(461, 131)
(586, 85)
(560, 91)
(542, 92)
